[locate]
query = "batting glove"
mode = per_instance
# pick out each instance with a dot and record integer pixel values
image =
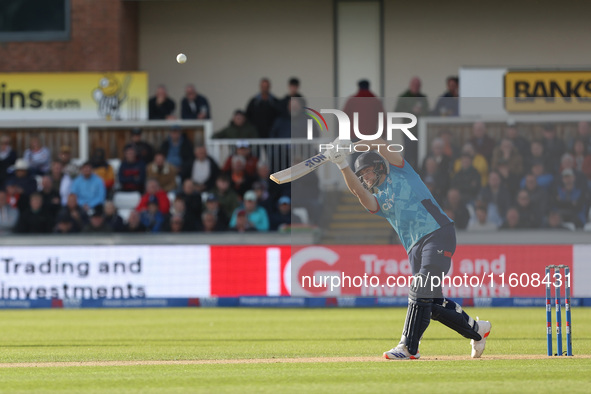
(338, 158)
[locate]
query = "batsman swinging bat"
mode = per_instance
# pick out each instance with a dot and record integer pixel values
(299, 170)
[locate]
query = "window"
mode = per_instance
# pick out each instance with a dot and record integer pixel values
(34, 20)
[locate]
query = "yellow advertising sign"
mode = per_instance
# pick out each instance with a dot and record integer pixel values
(80, 96)
(548, 91)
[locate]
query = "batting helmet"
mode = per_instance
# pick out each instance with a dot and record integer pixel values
(374, 160)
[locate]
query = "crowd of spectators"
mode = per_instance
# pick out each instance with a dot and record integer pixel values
(182, 189)
(512, 182)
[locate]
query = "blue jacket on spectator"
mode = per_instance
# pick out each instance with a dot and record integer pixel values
(154, 222)
(258, 218)
(89, 191)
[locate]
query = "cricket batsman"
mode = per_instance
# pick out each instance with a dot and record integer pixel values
(389, 187)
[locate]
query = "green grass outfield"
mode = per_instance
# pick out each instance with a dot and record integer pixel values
(513, 360)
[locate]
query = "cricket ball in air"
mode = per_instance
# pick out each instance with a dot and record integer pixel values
(181, 58)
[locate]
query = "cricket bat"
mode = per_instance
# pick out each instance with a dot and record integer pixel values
(299, 170)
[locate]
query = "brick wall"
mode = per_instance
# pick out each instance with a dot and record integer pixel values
(103, 37)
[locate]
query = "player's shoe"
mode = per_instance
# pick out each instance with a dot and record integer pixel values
(400, 352)
(484, 327)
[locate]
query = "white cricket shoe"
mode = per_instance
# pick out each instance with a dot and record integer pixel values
(400, 352)
(484, 327)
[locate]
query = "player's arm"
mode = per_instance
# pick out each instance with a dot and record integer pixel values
(393, 157)
(366, 199)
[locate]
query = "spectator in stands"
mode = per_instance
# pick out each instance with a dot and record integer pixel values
(193, 105)
(447, 104)
(582, 160)
(8, 214)
(521, 144)
(153, 190)
(65, 156)
(413, 100)
(89, 188)
(482, 223)
(512, 220)
(61, 181)
(134, 224)
(467, 180)
(506, 151)
(555, 222)
(437, 153)
(241, 180)
(570, 200)
(132, 172)
(14, 197)
(152, 217)
(35, 219)
(250, 160)
(37, 156)
(203, 171)
(583, 133)
(239, 128)
(270, 189)
(536, 154)
(368, 107)
(103, 169)
(143, 150)
(242, 224)
(529, 216)
(436, 179)
(450, 147)
(75, 212)
(256, 216)
(21, 179)
(192, 199)
(160, 106)
(7, 158)
(543, 178)
(212, 205)
(478, 162)
(456, 209)
(262, 109)
(293, 122)
(188, 219)
(65, 224)
(51, 198)
(481, 141)
(210, 223)
(164, 172)
(496, 197)
(283, 217)
(508, 179)
(177, 148)
(554, 147)
(568, 161)
(227, 197)
(112, 218)
(537, 195)
(263, 198)
(97, 224)
(293, 91)
(176, 224)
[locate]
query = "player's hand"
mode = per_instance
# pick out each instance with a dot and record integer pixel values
(344, 146)
(338, 157)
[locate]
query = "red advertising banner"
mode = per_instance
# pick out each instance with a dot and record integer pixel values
(249, 270)
(360, 270)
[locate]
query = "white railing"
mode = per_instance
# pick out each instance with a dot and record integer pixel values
(83, 128)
